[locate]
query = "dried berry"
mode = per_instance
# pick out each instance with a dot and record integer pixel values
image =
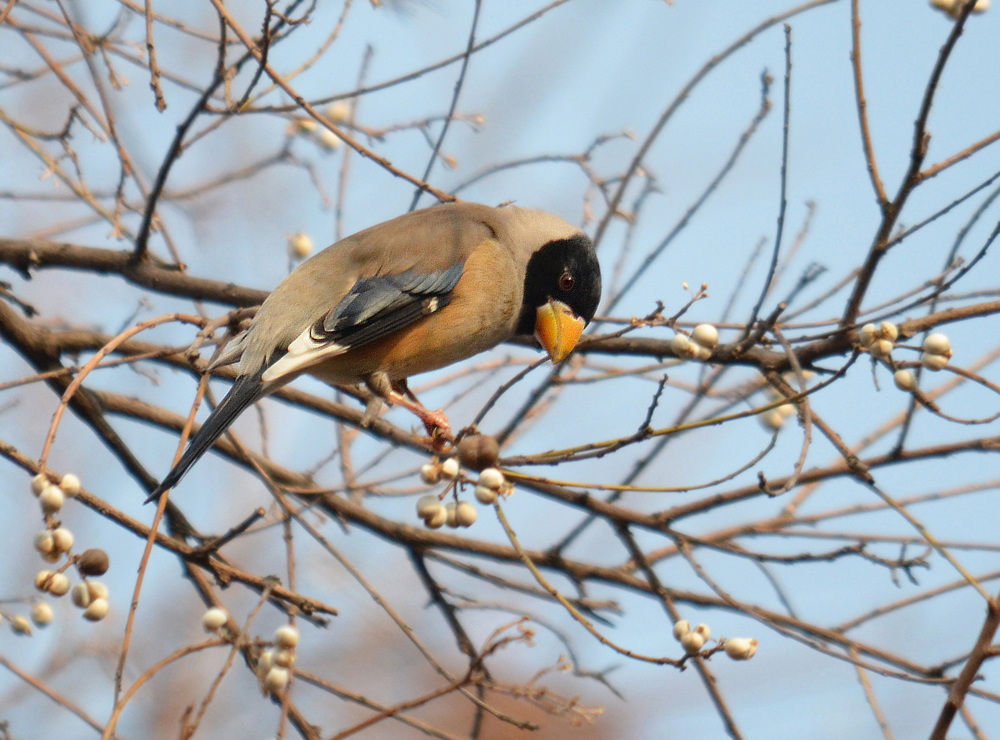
(478, 451)
(93, 562)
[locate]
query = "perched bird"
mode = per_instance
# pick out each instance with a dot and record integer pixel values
(407, 296)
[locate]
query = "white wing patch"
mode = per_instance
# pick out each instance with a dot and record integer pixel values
(302, 353)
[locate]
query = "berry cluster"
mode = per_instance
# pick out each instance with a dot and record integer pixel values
(275, 664)
(55, 544)
(775, 418)
(337, 113)
(879, 340)
(693, 640)
(478, 452)
(699, 346)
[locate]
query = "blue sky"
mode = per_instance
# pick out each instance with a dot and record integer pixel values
(585, 69)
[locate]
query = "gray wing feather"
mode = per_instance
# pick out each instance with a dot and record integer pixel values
(377, 306)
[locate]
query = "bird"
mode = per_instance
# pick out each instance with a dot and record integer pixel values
(413, 294)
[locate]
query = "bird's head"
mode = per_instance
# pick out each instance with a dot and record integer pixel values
(562, 288)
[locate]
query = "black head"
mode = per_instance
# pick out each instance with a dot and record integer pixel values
(566, 270)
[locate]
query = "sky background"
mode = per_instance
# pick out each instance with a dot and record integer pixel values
(585, 69)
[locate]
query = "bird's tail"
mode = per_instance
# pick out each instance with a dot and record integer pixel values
(245, 391)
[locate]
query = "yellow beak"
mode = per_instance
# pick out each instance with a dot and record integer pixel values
(558, 329)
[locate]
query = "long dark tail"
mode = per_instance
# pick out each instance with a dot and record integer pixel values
(244, 392)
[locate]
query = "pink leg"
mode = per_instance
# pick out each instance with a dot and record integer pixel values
(435, 421)
(397, 393)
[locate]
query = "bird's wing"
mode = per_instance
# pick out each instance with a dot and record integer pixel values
(374, 308)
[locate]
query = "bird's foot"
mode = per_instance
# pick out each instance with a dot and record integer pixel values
(372, 409)
(435, 422)
(438, 429)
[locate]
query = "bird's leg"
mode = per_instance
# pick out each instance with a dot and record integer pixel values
(436, 423)
(372, 409)
(398, 394)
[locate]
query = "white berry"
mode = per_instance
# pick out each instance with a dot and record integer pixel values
(42, 579)
(299, 245)
(327, 139)
(276, 680)
(681, 346)
(704, 630)
(681, 628)
(39, 483)
(741, 648)
(491, 478)
(428, 505)
(868, 334)
(41, 614)
(81, 595)
(62, 540)
(933, 362)
(451, 514)
(265, 662)
(284, 659)
(692, 642)
(772, 419)
(465, 514)
(97, 610)
(881, 349)
(888, 331)
(438, 520)
(97, 590)
(905, 380)
(214, 618)
(70, 485)
(58, 584)
(52, 499)
(706, 335)
(430, 473)
(44, 543)
(787, 410)
(301, 125)
(286, 637)
(337, 112)
(20, 625)
(485, 495)
(937, 344)
(449, 468)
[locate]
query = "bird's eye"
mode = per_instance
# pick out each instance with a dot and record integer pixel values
(566, 281)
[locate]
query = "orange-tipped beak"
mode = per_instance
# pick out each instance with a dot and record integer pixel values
(558, 329)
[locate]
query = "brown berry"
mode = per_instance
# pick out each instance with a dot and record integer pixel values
(478, 451)
(93, 562)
